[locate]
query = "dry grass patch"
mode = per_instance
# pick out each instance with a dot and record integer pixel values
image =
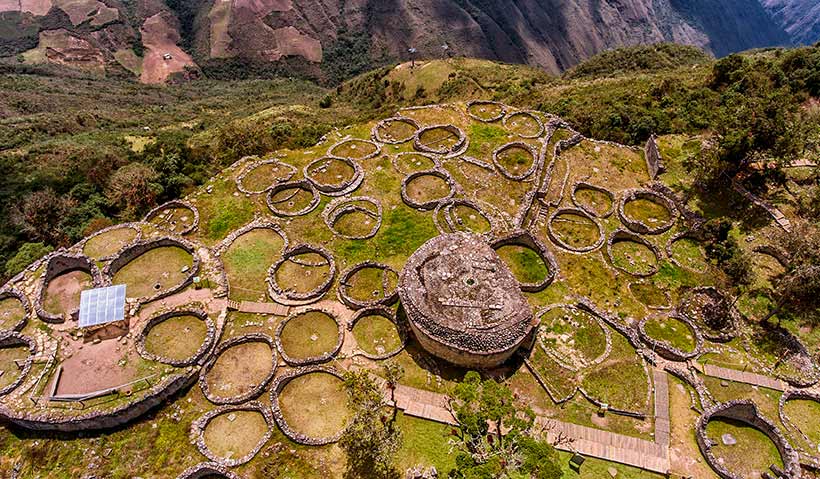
(109, 243)
(427, 188)
(177, 338)
(593, 200)
(63, 292)
(11, 312)
(438, 139)
(576, 230)
(355, 149)
(303, 273)
(647, 211)
(309, 334)
(9, 357)
(247, 261)
(315, 404)
(240, 368)
(155, 270)
(175, 220)
(690, 254)
(264, 176)
(234, 434)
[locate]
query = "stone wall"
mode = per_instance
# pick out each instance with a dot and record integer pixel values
(221, 348)
(654, 162)
(57, 264)
(197, 357)
(10, 292)
(322, 358)
(172, 205)
(198, 430)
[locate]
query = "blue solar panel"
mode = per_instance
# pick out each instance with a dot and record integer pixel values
(102, 305)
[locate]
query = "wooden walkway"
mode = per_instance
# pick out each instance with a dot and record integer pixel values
(745, 377)
(275, 309)
(592, 442)
(662, 426)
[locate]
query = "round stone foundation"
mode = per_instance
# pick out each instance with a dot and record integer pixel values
(463, 303)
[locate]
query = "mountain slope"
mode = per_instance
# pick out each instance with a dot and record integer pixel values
(800, 18)
(334, 39)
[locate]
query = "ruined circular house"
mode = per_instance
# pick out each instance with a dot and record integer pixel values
(463, 303)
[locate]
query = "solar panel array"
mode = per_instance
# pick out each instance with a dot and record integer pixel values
(102, 305)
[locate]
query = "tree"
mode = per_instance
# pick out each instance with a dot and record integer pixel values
(726, 252)
(133, 188)
(42, 215)
(373, 437)
(27, 254)
(496, 435)
(797, 290)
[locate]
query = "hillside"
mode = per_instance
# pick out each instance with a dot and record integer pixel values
(333, 40)
(800, 18)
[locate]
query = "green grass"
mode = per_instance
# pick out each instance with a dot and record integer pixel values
(522, 124)
(575, 230)
(671, 331)
(594, 200)
(425, 443)
(650, 294)
(621, 380)
(805, 414)
(484, 138)
(177, 338)
(247, 262)
(376, 335)
(8, 356)
(524, 263)
(159, 266)
(633, 257)
(753, 453)
(309, 335)
(647, 211)
(690, 254)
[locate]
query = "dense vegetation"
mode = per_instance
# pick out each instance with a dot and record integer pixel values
(80, 152)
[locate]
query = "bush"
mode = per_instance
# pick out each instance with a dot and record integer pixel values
(27, 254)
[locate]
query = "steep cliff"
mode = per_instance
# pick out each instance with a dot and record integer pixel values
(800, 18)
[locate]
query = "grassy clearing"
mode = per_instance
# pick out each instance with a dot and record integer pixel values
(174, 220)
(355, 149)
(593, 200)
(633, 257)
(367, 284)
(524, 263)
(753, 453)
(354, 223)
(425, 442)
(291, 200)
(11, 311)
(315, 404)
(109, 243)
(671, 331)
(264, 176)
(240, 368)
(63, 292)
(805, 414)
(221, 212)
(486, 111)
(235, 434)
(650, 294)
(690, 254)
(621, 380)
(376, 334)
(331, 171)
(309, 335)
(177, 338)
(426, 188)
(247, 262)
(647, 211)
(412, 162)
(469, 219)
(516, 160)
(574, 334)
(485, 138)
(575, 230)
(522, 124)
(438, 138)
(8, 356)
(302, 278)
(397, 130)
(157, 267)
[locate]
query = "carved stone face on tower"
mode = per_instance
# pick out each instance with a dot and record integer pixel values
(463, 303)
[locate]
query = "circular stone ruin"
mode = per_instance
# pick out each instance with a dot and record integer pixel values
(355, 149)
(179, 338)
(595, 200)
(106, 243)
(410, 162)
(208, 470)
(395, 131)
(632, 254)
(14, 309)
(309, 405)
(524, 124)
(524, 253)
(424, 190)
(515, 161)
(246, 427)
(239, 369)
(486, 111)
(459, 214)
(575, 230)
(65, 277)
(353, 218)
(798, 411)
(334, 176)
(16, 357)
(463, 303)
(685, 251)
(368, 284)
(177, 217)
(302, 275)
(154, 269)
(646, 212)
(292, 198)
(743, 412)
(260, 176)
(711, 311)
(673, 337)
(309, 336)
(378, 333)
(444, 140)
(574, 338)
